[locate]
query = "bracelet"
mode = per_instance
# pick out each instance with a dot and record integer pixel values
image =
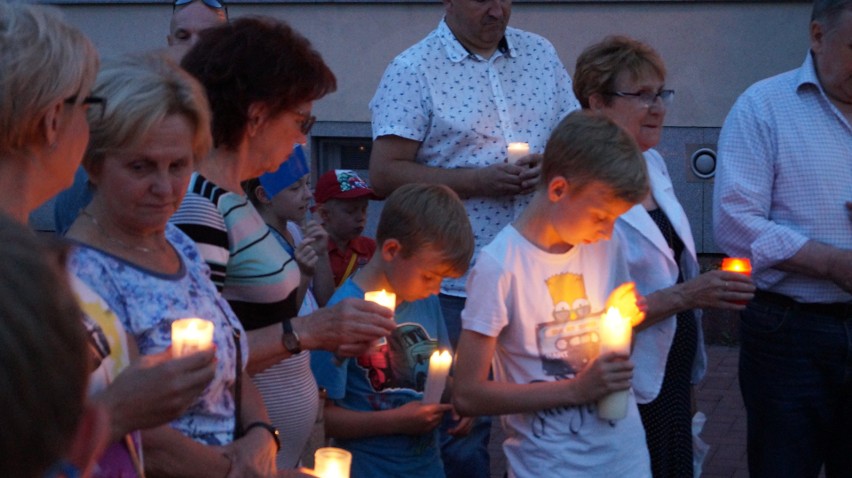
(272, 431)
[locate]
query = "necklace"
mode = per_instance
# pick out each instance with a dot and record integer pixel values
(112, 238)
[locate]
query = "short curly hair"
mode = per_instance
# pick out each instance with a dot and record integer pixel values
(255, 60)
(599, 65)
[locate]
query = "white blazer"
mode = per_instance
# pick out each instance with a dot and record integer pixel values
(652, 267)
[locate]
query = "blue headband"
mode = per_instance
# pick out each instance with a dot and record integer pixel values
(288, 173)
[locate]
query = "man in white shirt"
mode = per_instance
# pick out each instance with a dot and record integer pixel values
(444, 112)
(783, 197)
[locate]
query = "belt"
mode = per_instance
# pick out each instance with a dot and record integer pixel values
(839, 310)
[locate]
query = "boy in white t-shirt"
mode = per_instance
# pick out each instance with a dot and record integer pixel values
(534, 296)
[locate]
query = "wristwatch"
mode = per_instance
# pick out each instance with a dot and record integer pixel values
(271, 429)
(290, 339)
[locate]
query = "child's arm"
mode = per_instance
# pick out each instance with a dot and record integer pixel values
(475, 394)
(323, 280)
(413, 418)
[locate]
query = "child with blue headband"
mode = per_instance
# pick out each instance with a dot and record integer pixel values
(283, 200)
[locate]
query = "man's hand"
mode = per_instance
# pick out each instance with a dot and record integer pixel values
(531, 174)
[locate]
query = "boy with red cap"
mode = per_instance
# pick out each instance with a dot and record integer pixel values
(342, 197)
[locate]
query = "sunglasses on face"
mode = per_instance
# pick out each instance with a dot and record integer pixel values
(210, 3)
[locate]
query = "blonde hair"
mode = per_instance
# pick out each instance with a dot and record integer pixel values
(42, 60)
(424, 215)
(140, 91)
(586, 147)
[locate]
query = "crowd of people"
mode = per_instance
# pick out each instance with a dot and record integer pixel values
(181, 191)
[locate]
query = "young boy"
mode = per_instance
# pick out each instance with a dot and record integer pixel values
(341, 197)
(283, 199)
(374, 408)
(533, 301)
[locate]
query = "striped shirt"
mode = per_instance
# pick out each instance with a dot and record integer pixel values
(784, 174)
(257, 277)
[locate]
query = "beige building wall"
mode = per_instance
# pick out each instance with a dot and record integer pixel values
(713, 50)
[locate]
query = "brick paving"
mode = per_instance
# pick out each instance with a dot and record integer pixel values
(718, 397)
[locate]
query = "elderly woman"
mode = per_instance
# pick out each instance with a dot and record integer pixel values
(261, 79)
(142, 151)
(624, 80)
(48, 70)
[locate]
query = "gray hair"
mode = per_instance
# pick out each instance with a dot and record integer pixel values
(42, 60)
(140, 91)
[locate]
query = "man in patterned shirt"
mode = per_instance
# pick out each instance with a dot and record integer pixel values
(783, 196)
(445, 112)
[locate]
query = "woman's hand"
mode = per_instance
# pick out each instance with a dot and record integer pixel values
(629, 303)
(252, 456)
(156, 389)
(718, 289)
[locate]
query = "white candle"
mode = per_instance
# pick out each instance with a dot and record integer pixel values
(382, 297)
(518, 151)
(385, 299)
(191, 335)
(615, 333)
(332, 462)
(436, 379)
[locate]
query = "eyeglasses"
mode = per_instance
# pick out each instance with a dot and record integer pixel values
(90, 102)
(307, 122)
(647, 98)
(217, 4)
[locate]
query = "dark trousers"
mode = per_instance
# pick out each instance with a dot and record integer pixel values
(796, 379)
(464, 457)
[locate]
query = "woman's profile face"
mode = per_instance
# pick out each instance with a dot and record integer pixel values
(276, 137)
(143, 186)
(642, 120)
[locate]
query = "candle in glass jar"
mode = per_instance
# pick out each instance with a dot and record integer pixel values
(191, 335)
(615, 333)
(330, 462)
(436, 379)
(737, 264)
(518, 151)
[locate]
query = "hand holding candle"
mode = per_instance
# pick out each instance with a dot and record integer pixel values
(436, 379)
(191, 335)
(740, 265)
(517, 151)
(615, 333)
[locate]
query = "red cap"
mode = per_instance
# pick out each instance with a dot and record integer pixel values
(341, 184)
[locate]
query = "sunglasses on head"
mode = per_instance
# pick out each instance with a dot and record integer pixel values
(210, 3)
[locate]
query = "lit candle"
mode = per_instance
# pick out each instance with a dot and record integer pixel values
(382, 297)
(436, 379)
(385, 299)
(191, 335)
(740, 265)
(518, 151)
(332, 462)
(615, 333)
(737, 264)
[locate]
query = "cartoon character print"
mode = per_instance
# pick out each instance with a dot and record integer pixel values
(571, 340)
(401, 362)
(349, 181)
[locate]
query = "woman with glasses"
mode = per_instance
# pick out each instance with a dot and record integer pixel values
(624, 80)
(139, 160)
(262, 78)
(49, 68)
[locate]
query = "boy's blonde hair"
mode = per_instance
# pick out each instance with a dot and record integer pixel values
(586, 147)
(424, 215)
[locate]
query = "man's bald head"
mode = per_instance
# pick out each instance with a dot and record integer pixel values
(189, 20)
